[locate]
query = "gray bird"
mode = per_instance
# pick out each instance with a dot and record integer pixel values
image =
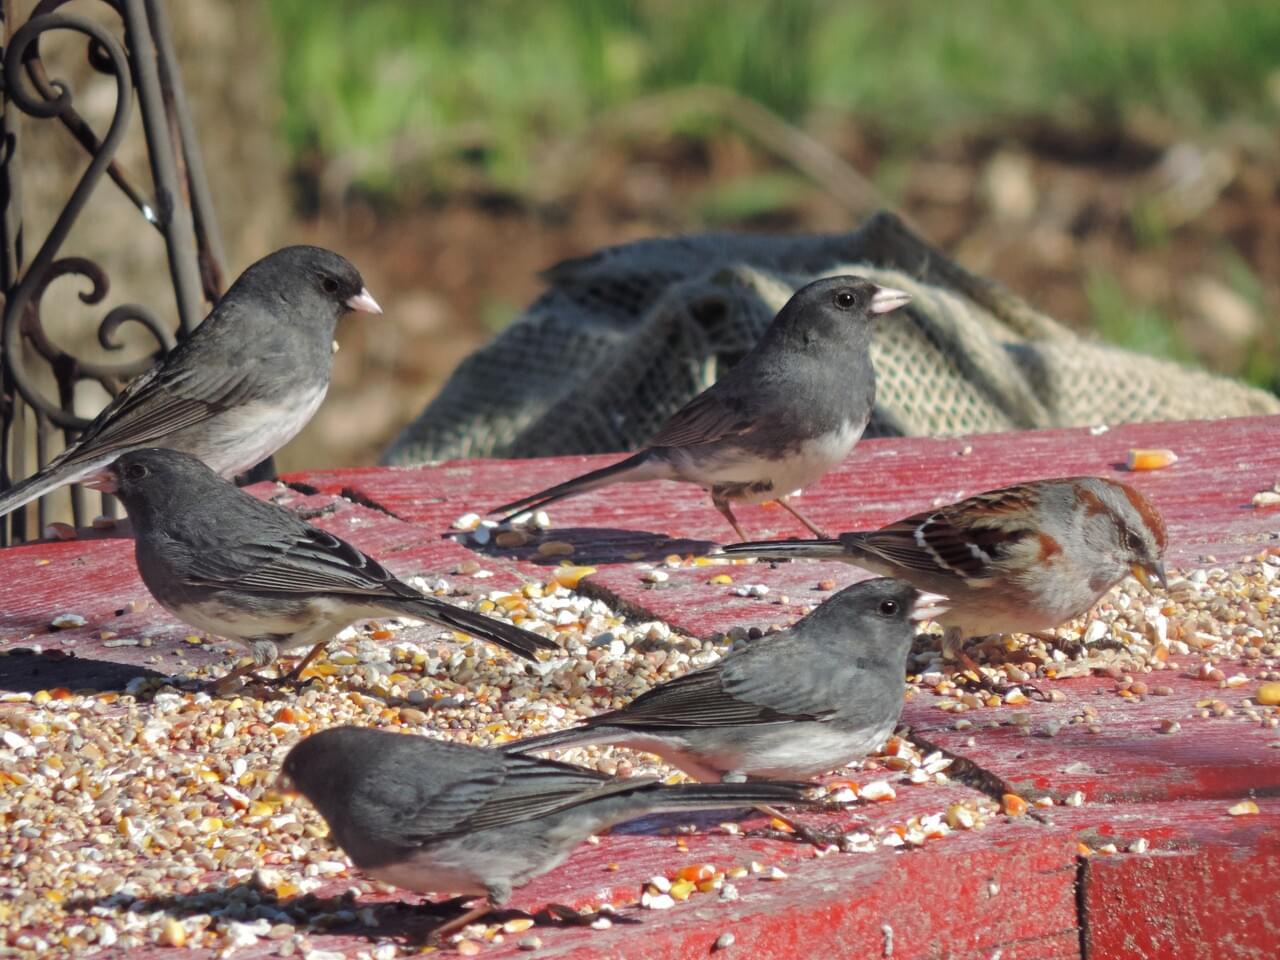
(432, 816)
(239, 567)
(236, 390)
(788, 706)
(788, 412)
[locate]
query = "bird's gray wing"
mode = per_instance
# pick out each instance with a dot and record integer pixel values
(428, 789)
(295, 559)
(471, 790)
(165, 399)
(536, 788)
(741, 690)
(720, 411)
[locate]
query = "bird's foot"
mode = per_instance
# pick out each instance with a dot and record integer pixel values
(562, 913)
(973, 677)
(438, 936)
(986, 683)
(820, 837)
(813, 528)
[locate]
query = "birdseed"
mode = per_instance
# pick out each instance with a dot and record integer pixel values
(115, 806)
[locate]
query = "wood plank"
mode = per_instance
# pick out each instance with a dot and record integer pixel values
(1225, 757)
(1203, 891)
(1205, 498)
(1008, 889)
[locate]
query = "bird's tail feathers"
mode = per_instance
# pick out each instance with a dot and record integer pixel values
(709, 796)
(53, 476)
(516, 639)
(580, 736)
(639, 466)
(787, 549)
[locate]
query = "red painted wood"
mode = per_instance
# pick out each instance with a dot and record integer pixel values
(1204, 891)
(1205, 498)
(967, 895)
(1129, 759)
(939, 900)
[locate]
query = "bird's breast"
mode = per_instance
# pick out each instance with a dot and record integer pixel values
(756, 471)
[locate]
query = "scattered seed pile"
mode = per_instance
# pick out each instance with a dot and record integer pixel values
(118, 810)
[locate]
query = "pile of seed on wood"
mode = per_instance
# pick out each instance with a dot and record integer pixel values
(116, 806)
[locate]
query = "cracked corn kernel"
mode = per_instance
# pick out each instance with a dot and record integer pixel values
(1268, 695)
(681, 889)
(1140, 459)
(570, 576)
(1014, 805)
(172, 933)
(696, 872)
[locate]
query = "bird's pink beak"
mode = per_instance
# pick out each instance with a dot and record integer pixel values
(929, 606)
(887, 299)
(103, 481)
(364, 302)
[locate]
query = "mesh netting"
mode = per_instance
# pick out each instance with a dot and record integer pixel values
(625, 337)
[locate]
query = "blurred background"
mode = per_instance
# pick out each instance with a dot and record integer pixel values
(1117, 164)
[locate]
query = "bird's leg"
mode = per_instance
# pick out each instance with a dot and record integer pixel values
(953, 649)
(244, 670)
(264, 652)
(727, 512)
(813, 528)
(295, 674)
(440, 933)
(814, 835)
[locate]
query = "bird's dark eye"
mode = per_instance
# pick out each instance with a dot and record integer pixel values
(135, 471)
(329, 285)
(888, 607)
(844, 300)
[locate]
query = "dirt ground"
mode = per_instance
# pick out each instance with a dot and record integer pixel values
(1176, 228)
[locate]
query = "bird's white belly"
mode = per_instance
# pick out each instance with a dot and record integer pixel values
(733, 465)
(769, 751)
(320, 620)
(822, 749)
(244, 436)
(426, 874)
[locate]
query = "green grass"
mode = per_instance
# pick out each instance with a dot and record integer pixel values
(368, 80)
(1136, 326)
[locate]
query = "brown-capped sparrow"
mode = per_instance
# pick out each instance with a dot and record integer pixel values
(1021, 559)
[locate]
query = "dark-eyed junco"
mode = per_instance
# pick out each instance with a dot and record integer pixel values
(440, 817)
(239, 567)
(788, 412)
(1019, 559)
(239, 387)
(788, 706)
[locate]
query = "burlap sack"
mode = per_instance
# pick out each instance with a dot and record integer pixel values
(623, 338)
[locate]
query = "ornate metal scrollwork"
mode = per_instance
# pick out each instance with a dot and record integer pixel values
(180, 210)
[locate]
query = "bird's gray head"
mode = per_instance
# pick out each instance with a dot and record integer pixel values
(325, 764)
(361, 781)
(317, 285)
(835, 310)
(155, 480)
(1125, 526)
(878, 611)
